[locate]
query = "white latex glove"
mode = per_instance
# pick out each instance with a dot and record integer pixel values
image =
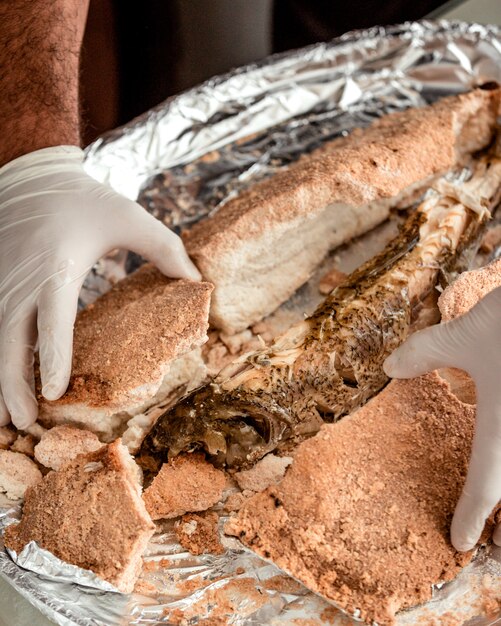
(55, 223)
(471, 342)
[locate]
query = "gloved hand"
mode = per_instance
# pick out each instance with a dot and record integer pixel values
(471, 342)
(55, 223)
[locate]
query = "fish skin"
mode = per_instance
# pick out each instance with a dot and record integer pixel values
(332, 363)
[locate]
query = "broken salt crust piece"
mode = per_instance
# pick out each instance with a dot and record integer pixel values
(187, 483)
(90, 514)
(140, 339)
(362, 516)
(262, 245)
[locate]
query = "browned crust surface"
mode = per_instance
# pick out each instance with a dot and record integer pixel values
(88, 514)
(395, 152)
(187, 483)
(362, 516)
(126, 337)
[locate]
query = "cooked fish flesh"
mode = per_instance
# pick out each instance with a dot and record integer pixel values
(331, 363)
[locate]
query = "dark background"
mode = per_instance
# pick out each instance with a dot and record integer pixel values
(137, 53)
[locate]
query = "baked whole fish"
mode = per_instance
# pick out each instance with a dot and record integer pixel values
(331, 363)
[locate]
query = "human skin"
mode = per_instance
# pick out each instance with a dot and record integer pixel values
(39, 73)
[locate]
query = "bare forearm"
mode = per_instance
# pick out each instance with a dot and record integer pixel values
(39, 60)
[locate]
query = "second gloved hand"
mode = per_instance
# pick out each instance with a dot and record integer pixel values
(55, 223)
(471, 342)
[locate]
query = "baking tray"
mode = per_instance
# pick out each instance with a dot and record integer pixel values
(182, 161)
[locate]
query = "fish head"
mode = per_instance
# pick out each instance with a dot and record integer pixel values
(234, 429)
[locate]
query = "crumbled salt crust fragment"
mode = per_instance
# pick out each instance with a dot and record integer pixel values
(17, 473)
(266, 472)
(24, 444)
(188, 483)
(62, 444)
(7, 437)
(199, 534)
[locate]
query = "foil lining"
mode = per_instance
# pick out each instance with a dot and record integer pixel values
(183, 160)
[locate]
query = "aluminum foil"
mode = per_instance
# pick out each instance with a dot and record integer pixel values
(183, 160)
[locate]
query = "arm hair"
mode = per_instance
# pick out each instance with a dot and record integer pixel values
(40, 44)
